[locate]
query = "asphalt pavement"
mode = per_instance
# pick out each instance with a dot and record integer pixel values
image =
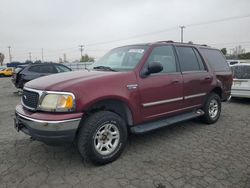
(188, 154)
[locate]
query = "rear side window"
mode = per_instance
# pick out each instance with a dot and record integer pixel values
(35, 68)
(42, 69)
(189, 58)
(47, 69)
(216, 59)
(241, 72)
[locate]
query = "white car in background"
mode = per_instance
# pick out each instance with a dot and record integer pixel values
(241, 80)
(236, 61)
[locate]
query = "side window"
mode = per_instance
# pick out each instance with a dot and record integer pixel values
(165, 56)
(215, 59)
(47, 69)
(60, 68)
(188, 59)
(35, 68)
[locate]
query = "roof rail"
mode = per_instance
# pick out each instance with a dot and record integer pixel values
(167, 41)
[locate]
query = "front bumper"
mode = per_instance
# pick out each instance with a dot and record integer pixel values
(60, 130)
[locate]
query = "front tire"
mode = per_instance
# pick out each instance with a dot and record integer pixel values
(102, 137)
(212, 109)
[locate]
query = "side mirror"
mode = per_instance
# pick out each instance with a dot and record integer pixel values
(153, 67)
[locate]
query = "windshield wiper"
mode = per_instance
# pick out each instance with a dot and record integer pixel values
(104, 68)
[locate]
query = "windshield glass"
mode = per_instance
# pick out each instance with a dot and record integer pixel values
(241, 71)
(121, 59)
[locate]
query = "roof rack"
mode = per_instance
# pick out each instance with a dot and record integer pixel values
(167, 41)
(189, 43)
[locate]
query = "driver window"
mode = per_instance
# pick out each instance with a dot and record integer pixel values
(165, 56)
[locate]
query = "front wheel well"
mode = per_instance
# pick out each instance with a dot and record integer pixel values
(113, 105)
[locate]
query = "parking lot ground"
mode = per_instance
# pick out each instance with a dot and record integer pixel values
(188, 154)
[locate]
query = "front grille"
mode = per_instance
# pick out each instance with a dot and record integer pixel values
(30, 99)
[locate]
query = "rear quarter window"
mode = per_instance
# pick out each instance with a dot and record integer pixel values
(215, 59)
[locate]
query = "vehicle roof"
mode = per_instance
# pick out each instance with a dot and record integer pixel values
(45, 64)
(171, 42)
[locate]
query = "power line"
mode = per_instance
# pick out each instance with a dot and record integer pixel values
(169, 29)
(219, 20)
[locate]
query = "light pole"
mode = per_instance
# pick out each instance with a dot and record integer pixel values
(42, 54)
(182, 28)
(30, 56)
(81, 49)
(10, 57)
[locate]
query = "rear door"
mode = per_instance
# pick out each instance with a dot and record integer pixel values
(161, 93)
(196, 77)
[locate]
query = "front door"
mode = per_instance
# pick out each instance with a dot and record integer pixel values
(161, 93)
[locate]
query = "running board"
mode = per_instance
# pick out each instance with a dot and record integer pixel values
(146, 127)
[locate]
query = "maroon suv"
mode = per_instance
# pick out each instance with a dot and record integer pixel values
(135, 88)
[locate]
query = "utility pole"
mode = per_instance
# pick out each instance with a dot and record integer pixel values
(182, 28)
(42, 54)
(30, 56)
(81, 49)
(10, 57)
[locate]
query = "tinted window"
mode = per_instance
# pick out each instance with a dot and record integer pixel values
(216, 59)
(188, 59)
(61, 68)
(47, 69)
(35, 68)
(241, 72)
(42, 69)
(165, 56)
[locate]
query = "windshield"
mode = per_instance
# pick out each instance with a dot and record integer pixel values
(121, 59)
(241, 71)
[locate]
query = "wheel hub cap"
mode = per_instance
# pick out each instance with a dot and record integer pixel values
(106, 139)
(213, 108)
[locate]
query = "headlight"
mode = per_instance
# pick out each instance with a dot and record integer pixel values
(58, 102)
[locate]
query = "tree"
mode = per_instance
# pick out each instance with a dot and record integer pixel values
(1, 58)
(87, 58)
(224, 51)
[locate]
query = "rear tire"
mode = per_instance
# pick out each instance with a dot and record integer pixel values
(212, 109)
(102, 137)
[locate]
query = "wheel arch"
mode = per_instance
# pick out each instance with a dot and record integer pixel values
(218, 91)
(115, 105)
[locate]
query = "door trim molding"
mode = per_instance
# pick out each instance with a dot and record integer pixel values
(173, 100)
(194, 96)
(162, 102)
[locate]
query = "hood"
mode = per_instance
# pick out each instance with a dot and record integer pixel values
(62, 81)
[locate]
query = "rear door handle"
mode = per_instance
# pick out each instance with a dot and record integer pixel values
(175, 81)
(207, 78)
